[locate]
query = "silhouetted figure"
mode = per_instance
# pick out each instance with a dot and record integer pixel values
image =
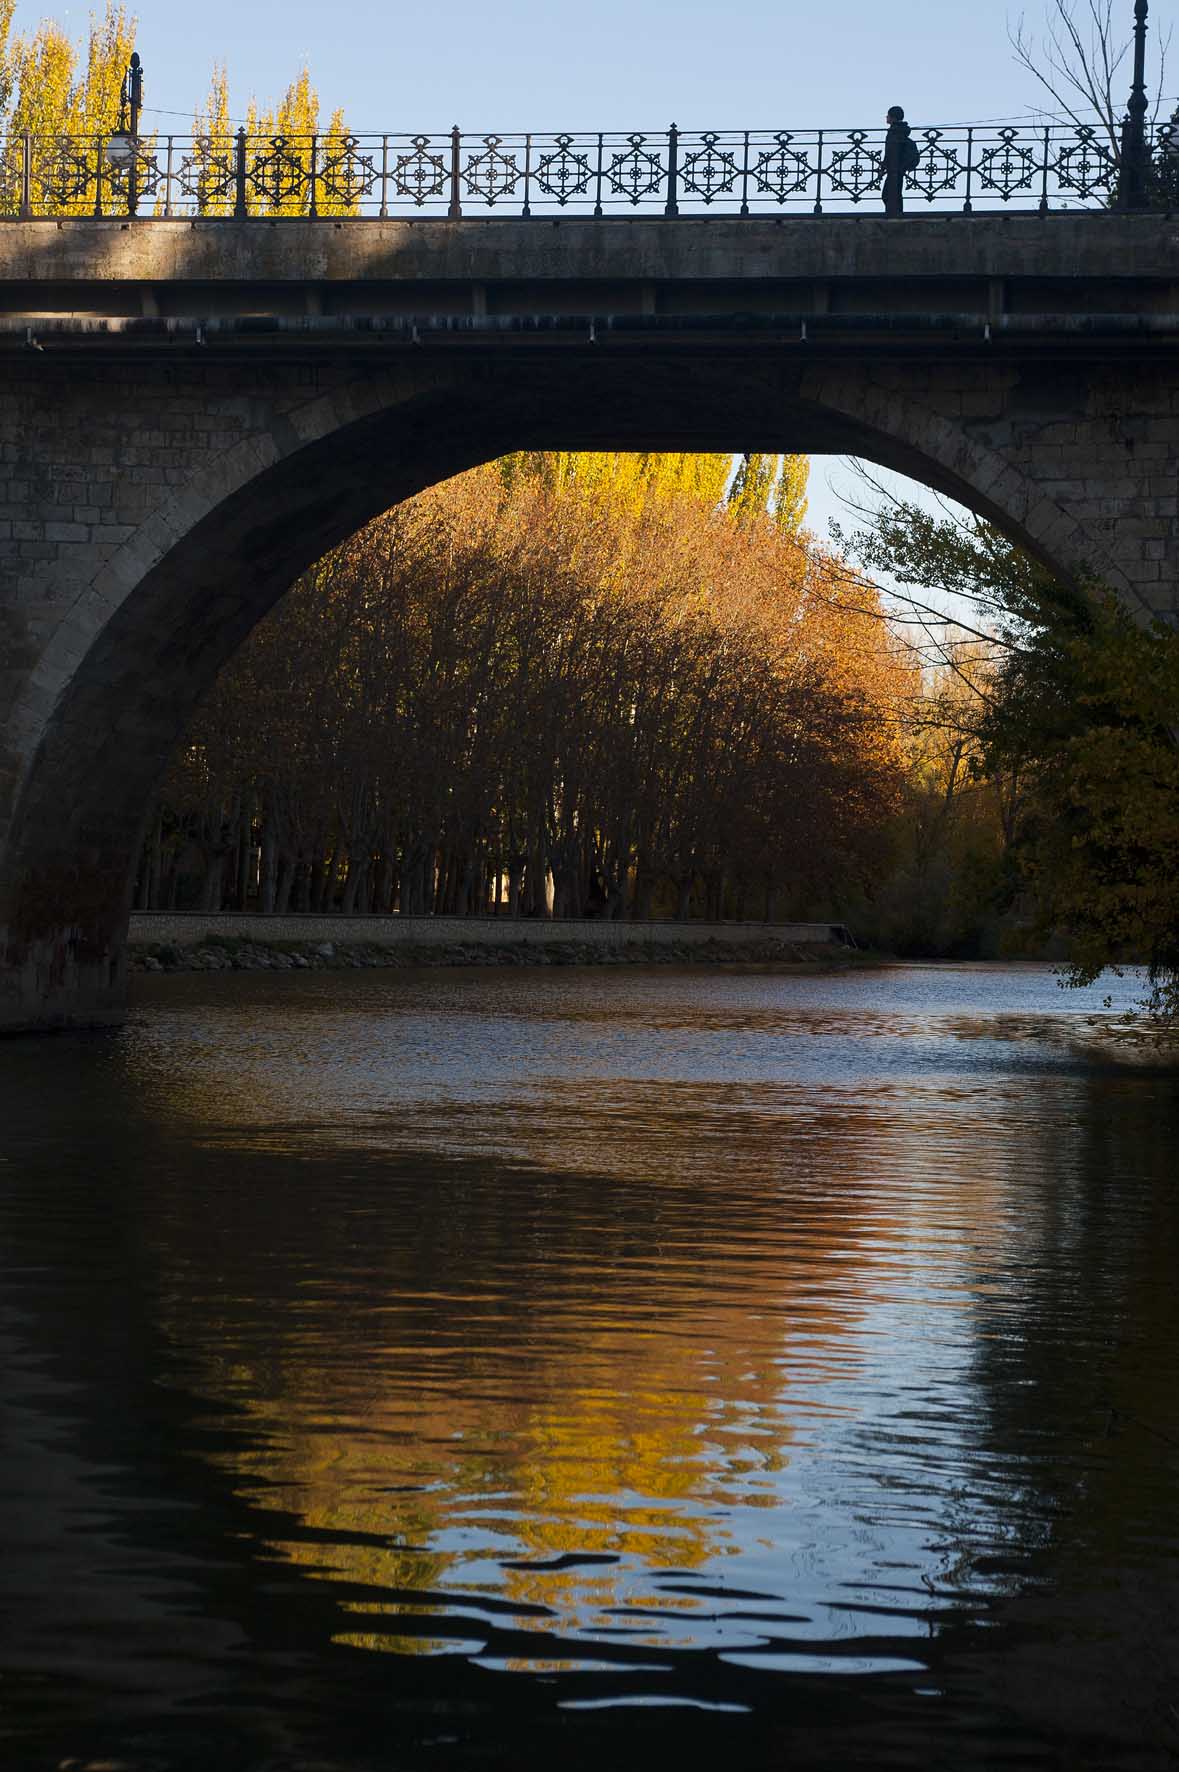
(901, 155)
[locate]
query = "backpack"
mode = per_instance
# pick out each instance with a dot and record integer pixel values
(910, 155)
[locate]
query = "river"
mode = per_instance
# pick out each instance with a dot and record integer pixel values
(583, 1367)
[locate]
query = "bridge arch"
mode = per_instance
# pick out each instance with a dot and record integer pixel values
(149, 622)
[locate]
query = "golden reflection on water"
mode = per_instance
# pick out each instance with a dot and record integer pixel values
(801, 1350)
(550, 1469)
(676, 1300)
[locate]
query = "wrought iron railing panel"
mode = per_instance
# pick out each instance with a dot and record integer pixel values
(671, 172)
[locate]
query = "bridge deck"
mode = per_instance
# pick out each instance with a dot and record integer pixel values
(980, 265)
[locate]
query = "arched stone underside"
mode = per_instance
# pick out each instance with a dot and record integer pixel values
(171, 502)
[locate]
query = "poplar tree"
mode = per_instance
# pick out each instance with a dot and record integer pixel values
(94, 98)
(44, 66)
(628, 478)
(66, 107)
(213, 133)
(790, 500)
(67, 101)
(286, 132)
(771, 486)
(7, 67)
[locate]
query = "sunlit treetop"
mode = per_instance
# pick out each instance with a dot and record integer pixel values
(48, 88)
(772, 486)
(620, 478)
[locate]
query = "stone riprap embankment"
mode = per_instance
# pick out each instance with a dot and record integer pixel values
(244, 943)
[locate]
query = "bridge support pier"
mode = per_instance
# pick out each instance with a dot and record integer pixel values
(59, 983)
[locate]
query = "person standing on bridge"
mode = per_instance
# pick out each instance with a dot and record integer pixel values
(900, 157)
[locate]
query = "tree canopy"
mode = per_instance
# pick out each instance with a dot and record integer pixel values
(587, 684)
(1062, 712)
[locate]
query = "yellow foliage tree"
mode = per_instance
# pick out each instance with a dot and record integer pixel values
(771, 486)
(569, 676)
(44, 70)
(65, 108)
(625, 480)
(67, 101)
(292, 148)
(7, 68)
(790, 500)
(213, 134)
(94, 98)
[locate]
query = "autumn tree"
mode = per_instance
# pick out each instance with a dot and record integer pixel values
(1064, 712)
(577, 684)
(64, 100)
(67, 99)
(7, 58)
(771, 486)
(1092, 700)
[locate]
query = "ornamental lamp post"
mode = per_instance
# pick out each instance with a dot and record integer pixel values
(1133, 174)
(122, 148)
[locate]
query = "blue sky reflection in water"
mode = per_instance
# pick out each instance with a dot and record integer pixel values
(524, 1362)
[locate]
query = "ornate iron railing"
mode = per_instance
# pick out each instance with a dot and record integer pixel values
(671, 172)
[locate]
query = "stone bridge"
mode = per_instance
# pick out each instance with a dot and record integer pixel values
(192, 411)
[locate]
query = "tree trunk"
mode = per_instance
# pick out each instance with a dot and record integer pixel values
(268, 869)
(245, 853)
(286, 871)
(323, 883)
(516, 885)
(351, 886)
(212, 885)
(386, 883)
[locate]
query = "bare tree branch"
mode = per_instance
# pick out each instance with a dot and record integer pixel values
(1080, 61)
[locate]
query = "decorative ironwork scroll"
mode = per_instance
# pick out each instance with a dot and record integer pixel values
(492, 174)
(857, 169)
(938, 170)
(1007, 168)
(782, 171)
(1086, 166)
(205, 174)
(419, 174)
(565, 172)
(346, 175)
(281, 173)
(634, 172)
(137, 182)
(709, 172)
(63, 172)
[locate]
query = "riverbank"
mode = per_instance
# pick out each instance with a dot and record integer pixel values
(326, 944)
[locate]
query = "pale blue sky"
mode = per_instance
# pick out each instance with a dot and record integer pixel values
(401, 65)
(520, 64)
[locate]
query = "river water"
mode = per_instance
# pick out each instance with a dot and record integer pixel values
(510, 1368)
